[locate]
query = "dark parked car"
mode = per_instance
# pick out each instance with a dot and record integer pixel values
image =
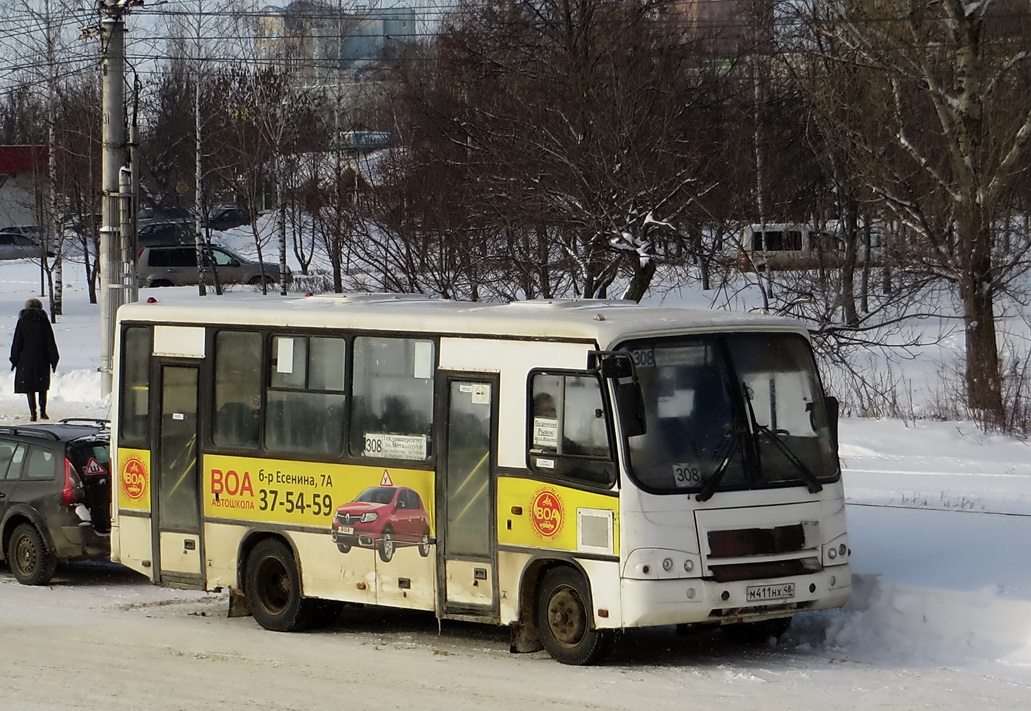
(227, 217)
(15, 245)
(156, 233)
(171, 265)
(384, 518)
(164, 214)
(55, 496)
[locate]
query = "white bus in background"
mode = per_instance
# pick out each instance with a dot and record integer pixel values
(564, 468)
(784, 246)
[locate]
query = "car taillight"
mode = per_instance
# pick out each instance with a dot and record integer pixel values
(72, 492)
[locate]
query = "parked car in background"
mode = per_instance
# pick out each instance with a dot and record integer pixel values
(156, 233)
(14, 245)
(176, 265)
(31, 231)
(55, 496)
(170, 213)
(226, 217)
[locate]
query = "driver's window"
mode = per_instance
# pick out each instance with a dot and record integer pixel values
(569, 434)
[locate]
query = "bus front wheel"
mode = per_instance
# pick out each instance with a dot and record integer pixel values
(273, 588)
(565, 621)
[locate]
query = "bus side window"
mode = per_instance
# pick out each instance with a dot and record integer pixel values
(305, 413)
(135, 390)
(568, 431)
(392, 403)
(237, 389)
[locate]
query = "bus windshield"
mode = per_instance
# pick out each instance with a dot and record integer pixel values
(730, 412)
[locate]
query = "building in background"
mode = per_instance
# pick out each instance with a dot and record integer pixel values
(725, 28)
(341, 51)
(23, 176)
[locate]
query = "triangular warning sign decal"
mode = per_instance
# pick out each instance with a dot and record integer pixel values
(94, 468)
(385, 481)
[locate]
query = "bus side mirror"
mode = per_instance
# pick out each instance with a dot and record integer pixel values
(630, 409)
(832, 406)
(611, 365)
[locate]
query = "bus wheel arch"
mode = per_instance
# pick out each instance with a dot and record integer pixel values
(272, 585)
(565, 619)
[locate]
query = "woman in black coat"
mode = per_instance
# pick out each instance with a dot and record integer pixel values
(33, 356)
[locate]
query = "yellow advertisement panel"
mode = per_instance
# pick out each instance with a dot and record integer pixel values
(309, 493)
(532, 513)
(133, 467)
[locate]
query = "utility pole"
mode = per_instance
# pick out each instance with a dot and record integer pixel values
(115, 259)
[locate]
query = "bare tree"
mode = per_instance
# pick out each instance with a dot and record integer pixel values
(52, 56)
(930, 103)
(576, 120)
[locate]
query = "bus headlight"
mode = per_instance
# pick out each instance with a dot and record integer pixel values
(658, 564)
(836, 552)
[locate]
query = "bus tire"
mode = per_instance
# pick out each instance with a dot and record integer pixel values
(31, 561)
(756, 632)
(386, 545)
(273, 588)
(564, 619)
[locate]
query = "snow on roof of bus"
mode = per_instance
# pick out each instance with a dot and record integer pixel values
(605, 321)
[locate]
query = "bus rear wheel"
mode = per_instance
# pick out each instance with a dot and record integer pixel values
(273, 587)
(564, 619)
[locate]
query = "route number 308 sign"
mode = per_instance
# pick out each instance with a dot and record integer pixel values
(688, 474)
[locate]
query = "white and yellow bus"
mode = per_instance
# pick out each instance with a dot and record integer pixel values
(565, 468)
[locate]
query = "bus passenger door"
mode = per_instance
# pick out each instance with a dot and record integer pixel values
(176, 475)
(465, 498)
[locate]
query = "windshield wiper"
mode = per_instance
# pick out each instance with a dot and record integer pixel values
(813, 484)
(726, 451)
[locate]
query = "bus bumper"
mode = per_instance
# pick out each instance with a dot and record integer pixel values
(695, 600)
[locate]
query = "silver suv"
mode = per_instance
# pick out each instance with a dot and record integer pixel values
(176, 265)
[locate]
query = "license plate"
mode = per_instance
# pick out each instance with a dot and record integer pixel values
(346, 530)
(758, 593)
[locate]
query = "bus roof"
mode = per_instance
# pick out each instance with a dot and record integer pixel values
(606, 322)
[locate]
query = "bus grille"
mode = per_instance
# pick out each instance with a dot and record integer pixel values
(756, 541)
(767, 569)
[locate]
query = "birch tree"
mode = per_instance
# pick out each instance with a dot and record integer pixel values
(929, 100)
(46, 50)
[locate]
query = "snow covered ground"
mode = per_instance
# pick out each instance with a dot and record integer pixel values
(940, 524)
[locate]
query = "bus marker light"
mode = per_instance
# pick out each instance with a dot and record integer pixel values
(646, 569)
(151, 300)
(834, 580)
(725, 595)
(517, 510)
(842, 549)
(603, 613)
(362, 586)
(690, 593)
(812, 587)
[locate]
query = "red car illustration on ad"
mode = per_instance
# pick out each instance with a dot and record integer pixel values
(384, 518)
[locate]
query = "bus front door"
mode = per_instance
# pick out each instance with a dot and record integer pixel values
(466, 539)
(177, 478)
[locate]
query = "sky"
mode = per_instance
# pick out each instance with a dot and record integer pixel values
(939, 513)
